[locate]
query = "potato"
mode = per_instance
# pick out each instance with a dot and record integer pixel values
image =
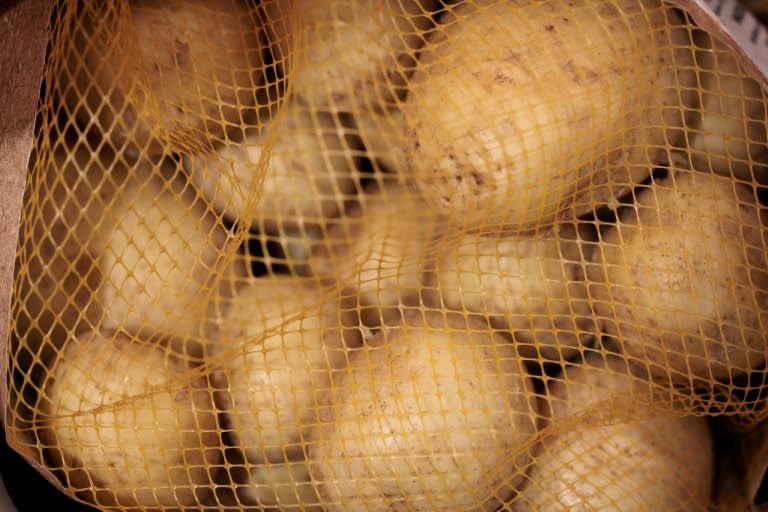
(681, 281)
(378, 248)
(383, 138)
(356, 56)
(161, 251)
(284, 487)
(55, 273)
(434, 415)
(729, 132)
(280, 340)
(607, 449)
(515, 118)
(291, 175)
(158, 76)
(130, 424)
(532, 286)
(350, 53)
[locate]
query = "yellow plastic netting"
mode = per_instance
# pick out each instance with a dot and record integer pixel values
(390, 255)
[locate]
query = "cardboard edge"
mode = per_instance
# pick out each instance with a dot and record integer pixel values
(24, 28)
(24, 33)
(751, 54)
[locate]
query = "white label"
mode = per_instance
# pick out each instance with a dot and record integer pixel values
(743, 26)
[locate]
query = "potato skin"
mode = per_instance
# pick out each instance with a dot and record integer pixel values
(132, 427)
(631, 457)
(532, 286)
(546, 123)
(729, 130)
(280, 340)
(67, 192)
(432, 415)
(155, 76)
(283, 487)
(378, 249)
(162, 252)
(293, 173)
(353, 53)
(122, 246)
(383, 136)
(354, 57)
(681, 281)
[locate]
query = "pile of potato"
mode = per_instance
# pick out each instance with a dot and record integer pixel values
(390, 255)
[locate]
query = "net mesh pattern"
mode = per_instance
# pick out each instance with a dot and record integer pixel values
(390, 255)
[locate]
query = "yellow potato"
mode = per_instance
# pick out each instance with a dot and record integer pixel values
(515, 118)
(279, 342)
(639, 459)
(383, 136)
(292, 174)
(681, 281)
(530, 285)
(283, 487)
(155, 76)
(729, 132)
(161, 251)
(56, 273)
(130, 424)
(432, 415)
(350, 53)
(378, 248)
(355, 56)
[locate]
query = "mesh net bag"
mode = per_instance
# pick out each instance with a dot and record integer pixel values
(393, 255)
